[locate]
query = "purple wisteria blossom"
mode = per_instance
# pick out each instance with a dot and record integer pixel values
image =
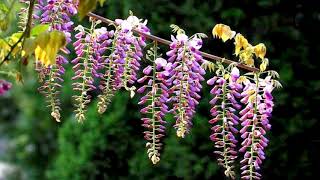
(258, 100)
(155, 97)
(127, 51)
(184, 76)
(122, 65)
(89, 47)
(55, 13)
(226, 92)
(5, 86)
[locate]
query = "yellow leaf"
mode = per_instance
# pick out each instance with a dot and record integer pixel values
(264, 64)
(4, 48)
(260, 50)
(29, 46)
(246, 56)
(240, 42)
(223, 32)
(85, 6)
(48, 45)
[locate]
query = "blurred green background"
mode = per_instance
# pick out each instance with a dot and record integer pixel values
(112, 146)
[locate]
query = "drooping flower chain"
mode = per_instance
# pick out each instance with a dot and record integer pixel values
(254, 119)
(23, 13)
(90, 45)
(57, 14)
(185, 76)
(154, 100)
(123, 63)
(226, 92)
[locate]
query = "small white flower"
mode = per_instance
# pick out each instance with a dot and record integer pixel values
(195, 43)
(100, 31)
(235, 72)
(79, 28)
(133, 20)
(182, 37)
(161, 62)
(125, 25)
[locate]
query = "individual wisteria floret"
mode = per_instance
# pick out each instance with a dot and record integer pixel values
(226, 91)
(123, 63)
(5, 86)
(90, 46)
(254, 119)
(184, 77)
(154, 101)
(55, 13)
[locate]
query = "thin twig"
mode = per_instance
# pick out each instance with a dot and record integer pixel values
(26, 32)
(164, 41)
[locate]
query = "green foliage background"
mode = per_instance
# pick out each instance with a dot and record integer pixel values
(112, 146)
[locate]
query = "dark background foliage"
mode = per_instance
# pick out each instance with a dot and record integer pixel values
(112, 146)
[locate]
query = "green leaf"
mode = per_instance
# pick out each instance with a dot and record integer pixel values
(101, 2)
(38, 29)
(3, 17)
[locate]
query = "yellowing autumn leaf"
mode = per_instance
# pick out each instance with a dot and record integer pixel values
(48, 45)
(85, 6)
(223, 32)
(246, 56)
(264, 64)
(28, 47)
(260, 50)
(4, 48)
(240, 42)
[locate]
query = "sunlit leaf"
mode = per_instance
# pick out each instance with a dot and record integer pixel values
(4, 17)
(85, 6)
(48, 45)
(38, 29)
(28, 47)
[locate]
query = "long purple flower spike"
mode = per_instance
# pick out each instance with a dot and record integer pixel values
(90, 46)
(57, 14)
(257, 97)
(185, 75)
(123, 63)
(226, 92)
(155, 97)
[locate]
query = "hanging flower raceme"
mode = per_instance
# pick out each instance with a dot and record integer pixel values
(254, 119)
(23, 13)
(4, 87)
(226, 91)
(185, 75)
(55, 13)
(154, 100)
(123, 63)
(90, 45)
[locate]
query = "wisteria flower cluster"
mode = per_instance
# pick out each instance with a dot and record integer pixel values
(252, 104)
(123, 63)
(254, 119)
(55, 13)
(225, 104)
(155, 100)
(185, 74)
(108, 60)
(90, 46)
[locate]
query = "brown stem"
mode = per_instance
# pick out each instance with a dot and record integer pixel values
(26, 32)
(164, 41)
